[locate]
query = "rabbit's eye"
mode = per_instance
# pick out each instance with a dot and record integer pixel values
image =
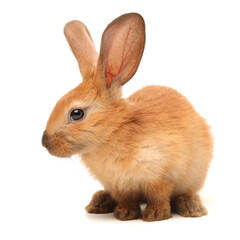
(76, 114)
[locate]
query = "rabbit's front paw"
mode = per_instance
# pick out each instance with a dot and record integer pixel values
(101, 202)
(126, 213)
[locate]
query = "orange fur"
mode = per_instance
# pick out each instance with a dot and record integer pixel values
(152, 147)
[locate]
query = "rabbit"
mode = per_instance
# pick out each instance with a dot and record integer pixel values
(151, 148)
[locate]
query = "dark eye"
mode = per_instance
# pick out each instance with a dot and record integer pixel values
(76, 114)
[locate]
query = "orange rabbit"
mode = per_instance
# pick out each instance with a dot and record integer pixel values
(152, 147)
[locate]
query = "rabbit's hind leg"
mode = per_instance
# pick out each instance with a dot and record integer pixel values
(188, 206)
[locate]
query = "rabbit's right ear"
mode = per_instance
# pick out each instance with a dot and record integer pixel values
(121, 49)
(82, 47)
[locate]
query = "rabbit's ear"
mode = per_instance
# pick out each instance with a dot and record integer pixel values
(82, 47)
(121, 48)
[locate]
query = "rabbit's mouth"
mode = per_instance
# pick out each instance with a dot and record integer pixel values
(57, 145)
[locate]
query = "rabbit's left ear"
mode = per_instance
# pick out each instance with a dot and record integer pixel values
(82, 47)
(121, 49)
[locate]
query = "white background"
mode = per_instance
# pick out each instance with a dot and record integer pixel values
(193, 46)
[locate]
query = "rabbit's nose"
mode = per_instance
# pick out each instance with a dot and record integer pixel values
(45, 138)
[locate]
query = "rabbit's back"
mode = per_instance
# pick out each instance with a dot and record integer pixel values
(162, 99)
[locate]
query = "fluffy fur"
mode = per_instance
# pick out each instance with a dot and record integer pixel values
(152, 147)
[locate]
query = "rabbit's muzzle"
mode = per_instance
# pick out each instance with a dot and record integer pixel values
(56, 145)
(45, 139)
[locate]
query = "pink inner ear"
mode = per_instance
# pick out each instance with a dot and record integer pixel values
(124, 52)
(110, 75)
